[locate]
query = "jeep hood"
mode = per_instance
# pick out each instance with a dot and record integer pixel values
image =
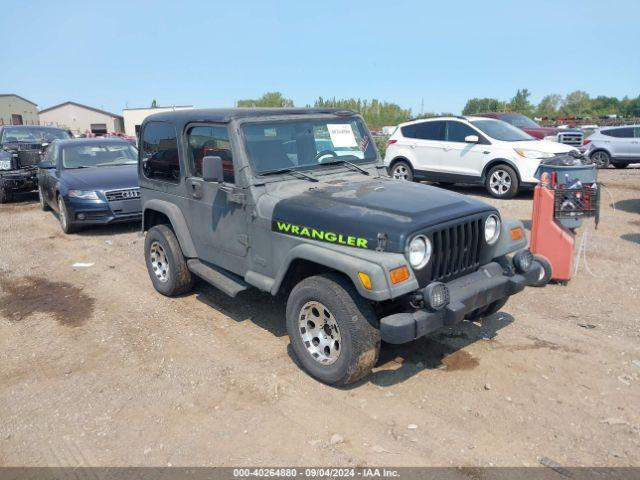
(365, 209)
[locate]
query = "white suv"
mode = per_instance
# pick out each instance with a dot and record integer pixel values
(468, 150)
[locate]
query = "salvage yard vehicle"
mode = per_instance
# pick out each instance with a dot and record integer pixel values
(472, 150)
(569, 136)
(617, 146)
(297, 202)
(90, 182)
(21, 148)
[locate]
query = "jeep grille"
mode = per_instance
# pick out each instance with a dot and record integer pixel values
(571, 138)
(125, 194)
(456, 250)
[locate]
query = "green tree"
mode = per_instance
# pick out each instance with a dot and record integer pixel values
(548, 106)
(577, 104)
(520, 102)
(269, 99)
(375, 112)
(479, 105)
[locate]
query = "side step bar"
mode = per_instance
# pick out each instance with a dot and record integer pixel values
(228, 282)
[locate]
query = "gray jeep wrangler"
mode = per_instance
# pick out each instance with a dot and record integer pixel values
(297, 202)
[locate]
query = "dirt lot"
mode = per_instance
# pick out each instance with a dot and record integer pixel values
(96, 368)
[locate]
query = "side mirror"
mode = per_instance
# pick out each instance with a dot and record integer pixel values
(212, 169)
(46, 165)
(472, 139)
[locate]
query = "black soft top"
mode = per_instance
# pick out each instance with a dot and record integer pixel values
(225, 115)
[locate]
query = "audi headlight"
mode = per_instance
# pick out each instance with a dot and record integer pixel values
(523, 152)
(83, 194)
(5, 164)
(419, 251)
(491, 229)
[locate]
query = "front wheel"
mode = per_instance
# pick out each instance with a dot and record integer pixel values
(64, 216)
(166, 264)
(401, 170)
(601, 159)
(333, 330)
(502, 182)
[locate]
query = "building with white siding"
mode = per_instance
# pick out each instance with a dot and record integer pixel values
(133, 117)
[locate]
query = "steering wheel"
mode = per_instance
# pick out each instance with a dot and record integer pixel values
(323, 153)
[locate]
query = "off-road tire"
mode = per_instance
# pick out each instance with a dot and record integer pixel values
(546, 272)
(514, 184)
(43, 203)
(620, 165)
(179, 279)
(401, 170)
(356, 320)
(66, 224)
(5, 195)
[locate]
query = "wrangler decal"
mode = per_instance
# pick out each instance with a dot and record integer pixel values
(317, 234)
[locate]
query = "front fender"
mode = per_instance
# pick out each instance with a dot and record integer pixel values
(350, 262)
(505, 243)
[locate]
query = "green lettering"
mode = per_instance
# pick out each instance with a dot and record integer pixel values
(330, 236)
(361, 242)
(295, 229)
(351, 241)
(284, 227)
(304, 232)
(319, 234)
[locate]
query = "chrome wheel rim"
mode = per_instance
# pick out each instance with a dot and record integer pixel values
(600, 159)
(500, 182)
(319, 333)
(62, 213)
(400, 172)
(159, 262)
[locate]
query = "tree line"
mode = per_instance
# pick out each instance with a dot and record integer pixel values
(577, 104)
(378, 113)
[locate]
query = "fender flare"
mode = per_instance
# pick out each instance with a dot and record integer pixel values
(496, 161)
(178, 222)
(347, 264)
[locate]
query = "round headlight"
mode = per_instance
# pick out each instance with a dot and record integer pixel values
(419, 251)
(491, 229)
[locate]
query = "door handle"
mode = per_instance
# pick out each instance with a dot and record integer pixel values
(486, 152)
(196, 189)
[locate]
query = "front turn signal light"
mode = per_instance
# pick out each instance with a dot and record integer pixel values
(398, 275)
(365, 280)
(517, 234)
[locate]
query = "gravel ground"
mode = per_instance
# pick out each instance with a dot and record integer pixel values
(96, 368)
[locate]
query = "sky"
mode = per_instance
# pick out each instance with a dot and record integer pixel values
(419, 54)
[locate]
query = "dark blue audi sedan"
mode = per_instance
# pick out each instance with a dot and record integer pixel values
(90, 182)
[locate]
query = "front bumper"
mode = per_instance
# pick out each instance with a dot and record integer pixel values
(476, 290)
(104, 213)
(19, 179)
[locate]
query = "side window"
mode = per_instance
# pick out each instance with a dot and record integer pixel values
(159, 152)
(619, 132)
(457, 131)
(425, 131)
(213, 141)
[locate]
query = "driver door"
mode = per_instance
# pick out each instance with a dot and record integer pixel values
(217, 212)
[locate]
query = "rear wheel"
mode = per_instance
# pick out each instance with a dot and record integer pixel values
(166, 264)
(401, 170)
(332, 329)
(502, 182)
(601, 159)
(620, 165)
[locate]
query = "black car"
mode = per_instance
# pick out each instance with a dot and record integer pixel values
(21, 149)
(90, 182)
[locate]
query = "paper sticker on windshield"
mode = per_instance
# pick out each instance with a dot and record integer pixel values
(342, 135)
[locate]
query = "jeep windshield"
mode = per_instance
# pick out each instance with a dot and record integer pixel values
(307, 144)
(500, 130)
(33, 134)
(86, 156)
(519, 120)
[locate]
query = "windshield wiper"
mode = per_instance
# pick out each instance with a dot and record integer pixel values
(346, 162)
(290, 171)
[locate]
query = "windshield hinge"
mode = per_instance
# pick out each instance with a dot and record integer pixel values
(382, 242)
